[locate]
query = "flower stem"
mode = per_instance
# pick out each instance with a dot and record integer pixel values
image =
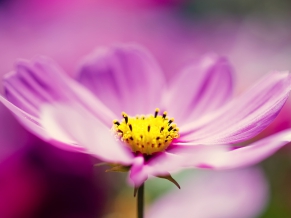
(140, 201)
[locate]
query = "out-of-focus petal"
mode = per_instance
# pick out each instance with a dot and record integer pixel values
(28, 120)
(214, 156)
(228, 194)
(251, 154)
(125, 78)
(41, 81)
(71, 122)
(244, 117)
(34, 83)
(203, 86)
(33, 124)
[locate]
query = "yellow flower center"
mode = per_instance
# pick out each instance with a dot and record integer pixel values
(146, 134)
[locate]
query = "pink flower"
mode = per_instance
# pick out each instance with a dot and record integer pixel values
(78, 115)
(227, 194)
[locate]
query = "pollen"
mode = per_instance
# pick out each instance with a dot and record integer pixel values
(146, 134)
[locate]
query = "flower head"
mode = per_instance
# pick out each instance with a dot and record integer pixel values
(147, 134)
(126, 81)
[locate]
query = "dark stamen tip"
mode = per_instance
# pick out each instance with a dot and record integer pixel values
(125, 117)
(165, 114)
(156, 112)
(117, 123)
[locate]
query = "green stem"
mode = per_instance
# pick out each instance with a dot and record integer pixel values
(140, 201)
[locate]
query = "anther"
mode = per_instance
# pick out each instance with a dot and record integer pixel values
(149, 128)
(171, 127)
(170, 121)
(116, 122)
(130, 127)
(165, 114)
(125, 117)
(161, 130)
(156, 112)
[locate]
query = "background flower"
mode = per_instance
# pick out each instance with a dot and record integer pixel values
(205, 194)
(39, 180)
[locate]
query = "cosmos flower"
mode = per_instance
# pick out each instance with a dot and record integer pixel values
(225, 192)
(122, 110)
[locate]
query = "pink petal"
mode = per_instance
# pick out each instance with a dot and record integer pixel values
(41, 82)
(228, 194)
(125, 78)
(213, 156)
(179, 157)
(176, 158)
(251, 154)
(135, 177)
(244, 117)
(33, 124)
(203, 87)
(34, 83)
(66, 122)
(29, 121)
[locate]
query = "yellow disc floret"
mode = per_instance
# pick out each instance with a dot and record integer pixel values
(146, 134)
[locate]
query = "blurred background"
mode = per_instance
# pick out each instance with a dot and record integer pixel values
(38, 180)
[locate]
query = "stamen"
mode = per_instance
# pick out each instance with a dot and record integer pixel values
(149, 128)
(130, 126)
(171, 121)
(116, 122)
(125, 117)
(165, 114)
(156, 112)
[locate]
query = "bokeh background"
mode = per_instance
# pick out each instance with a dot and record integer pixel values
(38, 180)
